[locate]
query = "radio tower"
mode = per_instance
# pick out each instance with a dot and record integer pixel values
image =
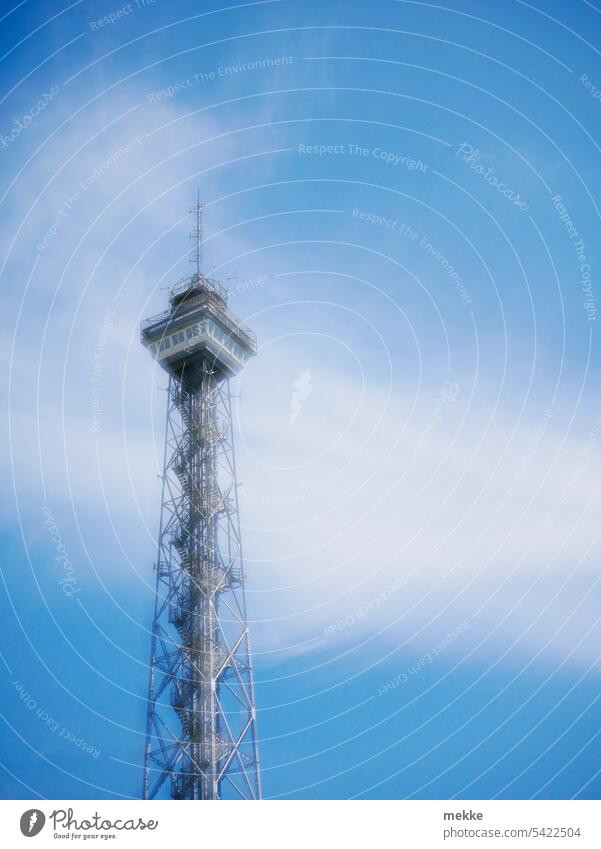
(201, 738)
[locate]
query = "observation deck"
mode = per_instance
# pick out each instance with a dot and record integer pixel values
(198, 326)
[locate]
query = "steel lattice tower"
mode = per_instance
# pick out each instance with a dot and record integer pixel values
(201, 726)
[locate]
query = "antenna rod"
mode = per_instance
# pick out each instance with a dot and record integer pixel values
(196, 211)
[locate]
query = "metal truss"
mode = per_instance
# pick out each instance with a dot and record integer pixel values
(201, 738)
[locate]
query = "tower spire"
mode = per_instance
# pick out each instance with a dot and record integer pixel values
(197, 234)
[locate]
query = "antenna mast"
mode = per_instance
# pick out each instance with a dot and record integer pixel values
(196, 234)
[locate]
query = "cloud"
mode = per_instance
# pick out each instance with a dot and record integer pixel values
(489, 518)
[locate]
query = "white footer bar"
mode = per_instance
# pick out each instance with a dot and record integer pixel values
(307, 824)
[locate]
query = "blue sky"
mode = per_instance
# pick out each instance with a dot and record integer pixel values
(403, 199)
